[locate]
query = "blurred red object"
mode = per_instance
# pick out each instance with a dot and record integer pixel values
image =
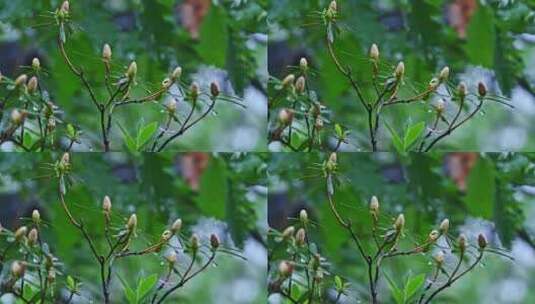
(459, 14)
(192, 13)
(193, 165)
(459, 165)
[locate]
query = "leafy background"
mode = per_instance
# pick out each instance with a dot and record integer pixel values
(489, 41)
(223, 40)
(490, 193)
(223, 194)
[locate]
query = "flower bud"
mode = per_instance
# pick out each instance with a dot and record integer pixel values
(36, 64)
(132, 222)
(482, 89)
(444, 74)
(51, 277)
(106, 204)
(194, 90)
(285, 269)
(433, 84)
(17, 117)
(303, 64)
(106, 52)
(286, 116)
(444, 226)
(171, 257)
(177, 225)
(400, 222)
(214, 89)
(132, 70)
(400, 70)
(333, 7)
(21, 80)
(166, 83)
(318, 124)
(194, 242)
(288, 80)
(433, 236)
(482, 241)
(440, 105)
(65, 160)
(65, 7)
(166, 236)
(288, 232)
(177, 72)
(214, 241)
(374, 205)
(32, 85)
(1, 76)
(300, 237)
(462, 243)
(461, 89)
(300, 84)
(374, 52)
(32, 237)
(51, 124)
(21, 233)
(36, 216)
(171, 105)
(18, 268)
(439, 258)
(303, 216)
(333, 158)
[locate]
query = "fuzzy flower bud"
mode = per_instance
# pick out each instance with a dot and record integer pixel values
(106, 204)
(177, 72)
(51, 276)
(285, 269)
(374, 52)
(65, 7)
(444, 226)
(171, 257)
(194, 242)
(374, 205)
(21, 80)
(288, 80)
(36, 216)
(444, 74)
(400, 70)
(171, 105)
(18, 268)
(333, 7)
(439, 258)
(433, 84)
(440, 105)
(214, 89)
(32, 85)
(461, 89)
(36, 64)
(32, 237)
(482, 89)
(132, 70)
(166, 236)
(300, 237)
(214, 241)
(303, 64)
(288, 232)
(21, 233)
(166, 83)
(177, 225)
(65, 160)
(132, 222)
(303, 216)
(462, 243)
(106, 52)
(286, 116)
(300, 84)
(318, 124)
(194, 91)
(433, 235)
(400, 222)
(482, 241)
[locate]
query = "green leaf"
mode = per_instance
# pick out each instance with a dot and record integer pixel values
(145, 286)
(413, 285)
(71, 285)
(128, 140)
(481, 188)
(214, 37)
(338, 283)
(397, 293)
(481, 37)
(71, 132)
(130, 295)
(145, 133)
(396, 140)
(412, 134)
